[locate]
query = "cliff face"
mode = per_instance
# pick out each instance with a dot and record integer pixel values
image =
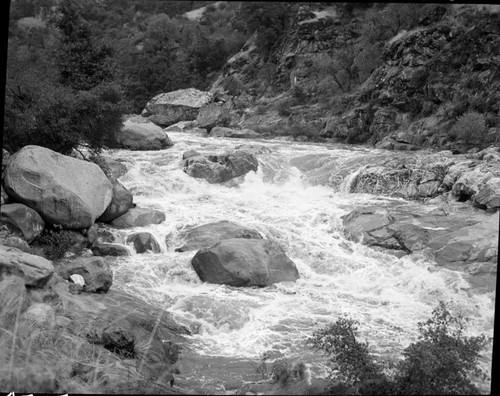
(445, 66)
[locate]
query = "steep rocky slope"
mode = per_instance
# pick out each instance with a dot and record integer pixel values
(445, 66)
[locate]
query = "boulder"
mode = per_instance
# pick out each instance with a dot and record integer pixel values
(221, 168)
(144, 241)
(15, 242)
(35, 270)
(138, 217)
(189, 154)
(172, 107)
(4, 198)
(121, 201)
(181, 126)
(63, 190)
(234, 133)
(13, 299)
(138, 135)
(25, 219)
(244, 262)
(211, 233)
(110, 249)
(95, 271)
(116, 168)
(212, 115)
(487, 198)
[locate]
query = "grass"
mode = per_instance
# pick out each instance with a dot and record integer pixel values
(50, 358)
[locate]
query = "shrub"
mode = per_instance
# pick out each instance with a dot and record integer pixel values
(55, 242)
(440, 362)
(470, 129)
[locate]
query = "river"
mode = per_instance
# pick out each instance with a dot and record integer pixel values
(296, 197)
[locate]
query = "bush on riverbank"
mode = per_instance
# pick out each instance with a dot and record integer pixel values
(442, 361)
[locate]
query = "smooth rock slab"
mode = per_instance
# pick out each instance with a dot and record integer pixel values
(35, 270)
(62, 189)
(95, 271)
(244, 262)
(208, 234)
(138, 217)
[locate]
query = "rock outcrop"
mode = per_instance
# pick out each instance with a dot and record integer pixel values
(208, 234)
(244, 262)
(138, 133)
(13, 298)
(213, 115)
(182, 105)
(221, 168)
(63, 190)
(35, 270)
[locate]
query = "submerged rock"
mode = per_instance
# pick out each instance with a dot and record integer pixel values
(62, 189)
(208, 234)
(244, 262)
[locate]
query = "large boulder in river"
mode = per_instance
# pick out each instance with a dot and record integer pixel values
(121, 202)
(139, 133)
(212, 115)
(35, 270)
(244, 262)
(221, 168)
(23, 218)
(234, 133)
(138, 217)
(182, 105)
(208, 234)
(63, 190)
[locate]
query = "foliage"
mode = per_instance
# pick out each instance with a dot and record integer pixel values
(470, 129)
(440, 362)
(267, 19)
(55, 242)
(443, 358)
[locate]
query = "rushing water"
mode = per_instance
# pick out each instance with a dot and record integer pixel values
(297, 198)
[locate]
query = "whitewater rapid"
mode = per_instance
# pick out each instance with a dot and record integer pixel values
(296, 197)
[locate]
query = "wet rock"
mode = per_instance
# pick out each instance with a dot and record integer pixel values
(62, 189)
(116, 168)
(121, 201)
(35, 270)
(211, 233)
(24, 219)
(144, 241)
(234, 133)
(139, 135)
(244, 262)
(138, 217)
(172, 107)
(4, 198)
(487, 198)
(189, 154)
(95, 271)
(118, 340)
(221, 168)
(110, 249)
(13, 299)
